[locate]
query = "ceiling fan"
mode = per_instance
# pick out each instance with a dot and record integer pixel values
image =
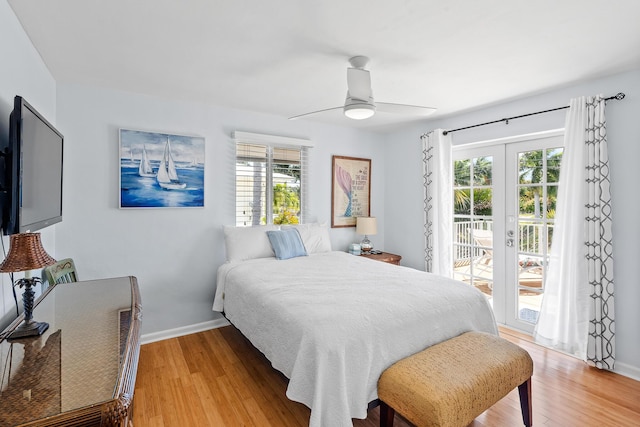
(360, 104)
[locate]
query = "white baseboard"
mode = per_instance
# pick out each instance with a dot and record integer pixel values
(184, 330)
(632, 372)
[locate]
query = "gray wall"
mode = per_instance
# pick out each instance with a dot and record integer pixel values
(404, 191)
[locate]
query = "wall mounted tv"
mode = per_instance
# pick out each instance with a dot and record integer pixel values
(33, 172)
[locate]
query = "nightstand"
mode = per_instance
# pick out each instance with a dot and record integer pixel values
(385, 257)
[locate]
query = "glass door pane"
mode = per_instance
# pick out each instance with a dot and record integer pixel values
(473, 222)
(536, 166)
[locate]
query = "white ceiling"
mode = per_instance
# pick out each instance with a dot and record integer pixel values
(288, 57)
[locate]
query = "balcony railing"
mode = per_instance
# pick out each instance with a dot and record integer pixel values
(531, 239)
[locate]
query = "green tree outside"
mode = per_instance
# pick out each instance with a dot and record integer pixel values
(286, 199)
(286, 204)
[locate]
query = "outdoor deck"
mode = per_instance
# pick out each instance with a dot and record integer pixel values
(480, 275)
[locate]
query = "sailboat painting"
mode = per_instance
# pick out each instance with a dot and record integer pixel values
(160, 170)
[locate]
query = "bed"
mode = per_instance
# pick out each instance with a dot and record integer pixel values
(332, 322)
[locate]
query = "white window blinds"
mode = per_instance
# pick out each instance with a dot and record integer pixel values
(271, 179)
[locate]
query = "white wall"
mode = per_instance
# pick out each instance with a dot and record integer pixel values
(22, 73)
(174, 253)
(404, 191)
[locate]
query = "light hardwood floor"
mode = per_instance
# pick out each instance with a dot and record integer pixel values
(216, 378)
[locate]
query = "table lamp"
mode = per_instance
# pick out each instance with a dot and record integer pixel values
(25, 254)
(368, 226)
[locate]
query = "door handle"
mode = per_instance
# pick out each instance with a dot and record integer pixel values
(510, 243)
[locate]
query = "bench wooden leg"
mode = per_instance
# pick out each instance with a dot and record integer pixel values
(386, 415)
(525, 402)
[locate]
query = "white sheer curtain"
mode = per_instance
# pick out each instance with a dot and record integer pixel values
(577, 313)
(438, 202)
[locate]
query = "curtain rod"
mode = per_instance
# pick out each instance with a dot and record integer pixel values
(617, 96)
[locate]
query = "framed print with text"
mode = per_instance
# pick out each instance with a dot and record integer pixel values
(350, 190)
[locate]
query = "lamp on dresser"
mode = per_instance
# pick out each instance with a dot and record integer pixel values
(368, 226)
(25, 254)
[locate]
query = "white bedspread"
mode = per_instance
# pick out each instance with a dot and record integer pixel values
(333, 322)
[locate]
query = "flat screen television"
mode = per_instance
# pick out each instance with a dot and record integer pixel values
(33, 172)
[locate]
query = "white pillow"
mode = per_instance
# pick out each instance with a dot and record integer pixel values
(315, 236)
(244, 243)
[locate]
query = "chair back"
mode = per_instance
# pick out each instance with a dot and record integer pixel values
(63, 271)
(484, 238)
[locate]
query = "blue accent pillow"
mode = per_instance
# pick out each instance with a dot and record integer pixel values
(286, 243)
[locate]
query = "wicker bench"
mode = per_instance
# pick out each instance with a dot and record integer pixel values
(451, 383)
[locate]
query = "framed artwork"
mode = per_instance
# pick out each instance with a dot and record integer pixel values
(160, 170)
(350, 190)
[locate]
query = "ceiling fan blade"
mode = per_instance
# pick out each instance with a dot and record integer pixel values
(359, 84)
(408, 110)
(315, 112)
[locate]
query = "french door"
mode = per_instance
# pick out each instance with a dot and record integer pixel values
(504, 209)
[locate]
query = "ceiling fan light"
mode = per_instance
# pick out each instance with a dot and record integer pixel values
(359, 111)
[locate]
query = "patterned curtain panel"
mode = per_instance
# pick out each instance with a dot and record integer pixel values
(601, 341)
(438, 202)
(577, 313)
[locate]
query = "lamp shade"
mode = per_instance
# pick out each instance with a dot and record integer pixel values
(25, 253)
(366, 225)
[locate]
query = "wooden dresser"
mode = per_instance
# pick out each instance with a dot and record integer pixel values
(82, 370)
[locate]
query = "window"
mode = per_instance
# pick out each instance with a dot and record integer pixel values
(271, 179)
